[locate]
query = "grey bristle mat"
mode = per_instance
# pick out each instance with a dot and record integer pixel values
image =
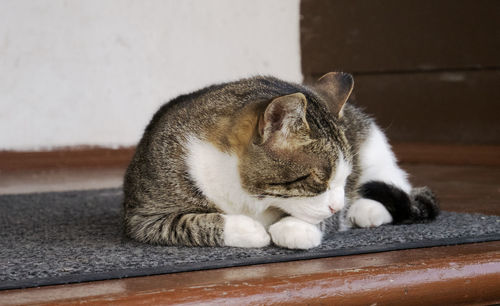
(67, 237)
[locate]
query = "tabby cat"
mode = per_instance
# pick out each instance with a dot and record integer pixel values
(262, 160)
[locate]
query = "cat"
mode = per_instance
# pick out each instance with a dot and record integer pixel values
(261, 160)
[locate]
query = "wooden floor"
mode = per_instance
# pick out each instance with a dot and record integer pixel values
(461, 188)
(467, 274)
(60, 179)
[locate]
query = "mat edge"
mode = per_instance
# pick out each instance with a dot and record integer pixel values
(126, 273)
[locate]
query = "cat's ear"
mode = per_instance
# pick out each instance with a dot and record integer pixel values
(336, 87)
(283, 116)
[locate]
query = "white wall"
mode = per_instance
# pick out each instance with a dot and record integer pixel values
(92, 72)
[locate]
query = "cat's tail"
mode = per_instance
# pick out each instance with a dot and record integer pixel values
(421, 205)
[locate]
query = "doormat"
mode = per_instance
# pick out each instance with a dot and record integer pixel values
(68, 237)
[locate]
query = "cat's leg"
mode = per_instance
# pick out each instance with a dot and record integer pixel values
(175, 228)
(294, 233)
(196, 229)
(243, 231)
(378, 164)
(385, 194)
(368, 213)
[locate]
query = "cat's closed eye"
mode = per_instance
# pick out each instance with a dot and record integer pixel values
(290, 182)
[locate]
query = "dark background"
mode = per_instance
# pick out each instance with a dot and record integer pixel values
(429, 71)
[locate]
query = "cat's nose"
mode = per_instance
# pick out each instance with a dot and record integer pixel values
(336, 205)
(336, 199)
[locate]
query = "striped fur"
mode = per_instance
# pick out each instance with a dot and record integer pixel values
(253, 161)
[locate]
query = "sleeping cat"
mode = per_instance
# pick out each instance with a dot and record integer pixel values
(262, 160)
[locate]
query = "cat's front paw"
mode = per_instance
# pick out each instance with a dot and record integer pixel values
(368, 213)
(293, 233)
(245, 232)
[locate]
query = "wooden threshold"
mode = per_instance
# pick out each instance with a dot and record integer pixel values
(67, 157)
(448, 154)
(97, 157)
(465, 274)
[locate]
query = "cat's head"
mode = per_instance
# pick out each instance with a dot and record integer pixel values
(298, 158)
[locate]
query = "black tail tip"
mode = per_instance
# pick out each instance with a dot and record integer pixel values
(425, 201)
(419, 206)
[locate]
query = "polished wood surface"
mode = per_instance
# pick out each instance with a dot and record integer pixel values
(470, 189)
(60, 179)
(63, 158)
(466, 274)
(448, 154)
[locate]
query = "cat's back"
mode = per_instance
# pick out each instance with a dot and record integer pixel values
(159, 165)
(356, 124)
(204, 107)
(198, 114)
(201, 112)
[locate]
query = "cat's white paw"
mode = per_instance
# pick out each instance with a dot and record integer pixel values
(293, 233)
(368, 213)
(245, 232)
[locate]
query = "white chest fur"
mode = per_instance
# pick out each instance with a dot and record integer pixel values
(216, 174)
